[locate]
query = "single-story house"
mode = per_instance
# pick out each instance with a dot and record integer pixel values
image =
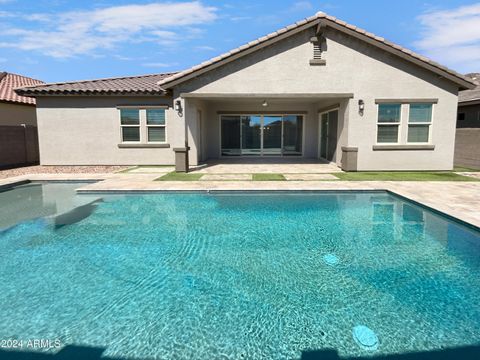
(467, 149)
(18, 121)
(320, 88)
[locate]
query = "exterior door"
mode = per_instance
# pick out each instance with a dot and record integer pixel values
(328, 135)
(200, 156)
(272, 135)
(261, 135)
(323, 135)
(251, 135)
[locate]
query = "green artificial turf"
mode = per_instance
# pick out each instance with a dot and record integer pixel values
(402, 176)
(268, 177)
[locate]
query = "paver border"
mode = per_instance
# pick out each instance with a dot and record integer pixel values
(365, 187)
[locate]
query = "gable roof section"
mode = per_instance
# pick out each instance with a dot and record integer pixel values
(128, 85)
(323, 20)
(9, 81)
(472, 96)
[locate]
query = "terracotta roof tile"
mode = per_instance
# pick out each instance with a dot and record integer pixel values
(9, 81)
(145, 84)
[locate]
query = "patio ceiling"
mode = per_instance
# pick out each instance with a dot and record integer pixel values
(272, 99)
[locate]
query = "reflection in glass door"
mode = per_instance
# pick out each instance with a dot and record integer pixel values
(261, 135)
(231, 136)
(251, 135)
(323, 135)
(272, 135)
(292, 135)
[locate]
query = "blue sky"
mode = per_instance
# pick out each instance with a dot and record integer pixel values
(56, 40)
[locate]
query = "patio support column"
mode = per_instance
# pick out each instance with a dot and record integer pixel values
(180, 146)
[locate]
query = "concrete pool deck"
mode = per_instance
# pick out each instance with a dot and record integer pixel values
(458, 199)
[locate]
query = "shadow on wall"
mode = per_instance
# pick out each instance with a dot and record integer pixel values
(72, 352)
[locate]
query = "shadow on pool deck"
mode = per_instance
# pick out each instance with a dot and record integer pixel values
(73, 352)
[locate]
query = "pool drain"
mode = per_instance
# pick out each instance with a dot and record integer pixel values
(330, 259)
(365, 338)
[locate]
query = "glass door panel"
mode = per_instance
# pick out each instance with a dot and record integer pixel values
(323, 135)
(292, 134)
(261, 135)
(251, 135)
(230, 129)
(272, 135)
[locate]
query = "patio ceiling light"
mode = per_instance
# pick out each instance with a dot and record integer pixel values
(265, 103)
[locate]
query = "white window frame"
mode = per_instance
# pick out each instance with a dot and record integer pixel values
(397, 124)
(143, 126)
(420, 123)
(139, 126)
(156, 125)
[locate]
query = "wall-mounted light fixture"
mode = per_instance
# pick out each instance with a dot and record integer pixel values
(178, 107)
(265, 103)
(361, 107)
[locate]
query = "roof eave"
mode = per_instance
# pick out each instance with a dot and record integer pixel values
(45, 93)
(407, 55)
(463, 83)
(469, 102)
(237, 54)
(12, 102)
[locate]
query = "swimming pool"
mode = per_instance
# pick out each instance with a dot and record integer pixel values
(236, 276)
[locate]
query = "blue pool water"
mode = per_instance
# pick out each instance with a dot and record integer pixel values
(197, 276)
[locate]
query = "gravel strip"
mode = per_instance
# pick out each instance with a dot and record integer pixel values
(39, 169)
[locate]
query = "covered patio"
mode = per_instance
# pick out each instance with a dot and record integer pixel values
(265, 133)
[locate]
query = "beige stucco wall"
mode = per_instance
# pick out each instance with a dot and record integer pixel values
(86, 131)
(351, 67)
(17, 114)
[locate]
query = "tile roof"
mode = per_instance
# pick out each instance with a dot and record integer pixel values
(473, 94)
(313, 19)
(144, 84)
(9, 81)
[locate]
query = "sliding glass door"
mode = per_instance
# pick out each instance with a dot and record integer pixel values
(261, 135)
(251, 135)
(292, 135)
(272, 135)
(230, 135)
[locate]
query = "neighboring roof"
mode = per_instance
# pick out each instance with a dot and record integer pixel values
(131, 85)
(9, 81)
(320, 17)
(473, 94)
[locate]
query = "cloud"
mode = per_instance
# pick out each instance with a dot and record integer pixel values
(5, 14)
(301, 6)
(69, 34)
(452, 37)
(158, 64)
(205, 48)
(240, 18)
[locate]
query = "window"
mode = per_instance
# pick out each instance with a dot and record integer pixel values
(461, 116)
(388, 123)
(130, 122)
(156, 125)
(419, 121)
(143, 125)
